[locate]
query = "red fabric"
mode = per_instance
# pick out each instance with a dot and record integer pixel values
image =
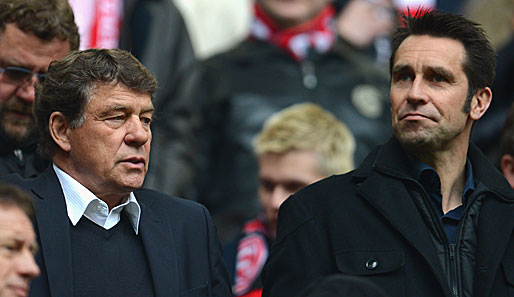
(106, 27)
(317, 33)
(252, 253)
(254, 293)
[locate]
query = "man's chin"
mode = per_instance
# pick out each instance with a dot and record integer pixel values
(19, 135)
(414, 141)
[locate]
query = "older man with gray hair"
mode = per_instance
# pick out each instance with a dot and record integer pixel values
(100, 234)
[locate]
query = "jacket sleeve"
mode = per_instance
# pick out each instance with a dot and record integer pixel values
(220, 281)
(300, 253)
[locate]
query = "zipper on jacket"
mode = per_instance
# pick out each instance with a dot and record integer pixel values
(453, 270)
(309, 79)
(452, 265)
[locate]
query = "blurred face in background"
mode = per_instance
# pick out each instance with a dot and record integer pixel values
(17, 249)
(281, 175)
(28, 55)
(289, 13)
(362, 21)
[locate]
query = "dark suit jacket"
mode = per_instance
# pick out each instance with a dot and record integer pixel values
(178, 236)
(370, 223)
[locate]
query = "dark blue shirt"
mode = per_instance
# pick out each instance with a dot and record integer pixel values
(430, 180)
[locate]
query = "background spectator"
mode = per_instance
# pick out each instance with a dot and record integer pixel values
(17, 242)
(296, 147)
(291, 56)
(507, 147)
(32, 34)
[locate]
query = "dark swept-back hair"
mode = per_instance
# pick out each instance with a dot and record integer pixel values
(47, 19)
(480, 58)
(70, 81)
(12, 196)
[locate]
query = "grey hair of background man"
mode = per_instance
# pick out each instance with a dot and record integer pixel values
(70, 82)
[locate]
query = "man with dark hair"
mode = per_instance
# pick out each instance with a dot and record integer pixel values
(425, 214)
(17, 242)
(32, 34)
(94, 223)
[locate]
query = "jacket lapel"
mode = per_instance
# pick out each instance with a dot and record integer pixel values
(160, 249)
(391, 198)
(52, 225)
(403, 215)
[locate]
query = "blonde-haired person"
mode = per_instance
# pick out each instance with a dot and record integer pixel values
(296, 147)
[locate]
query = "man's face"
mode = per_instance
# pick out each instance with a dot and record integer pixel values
(109, 153)
(281, 175)
(428, 92)
(288, 13)
(20, 49)
(17, 249)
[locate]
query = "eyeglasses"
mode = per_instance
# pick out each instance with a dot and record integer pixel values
(18, 75)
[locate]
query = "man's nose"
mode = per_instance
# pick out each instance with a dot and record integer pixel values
(278, 196)
(138, 133)
(26, 90)
(417, 93)
(27, 266)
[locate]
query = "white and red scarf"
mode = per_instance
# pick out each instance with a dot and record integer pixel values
(99, 22)
(317, 33)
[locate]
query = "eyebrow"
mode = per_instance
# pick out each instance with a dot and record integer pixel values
(401, 68)
(436, 69)
(441, 71)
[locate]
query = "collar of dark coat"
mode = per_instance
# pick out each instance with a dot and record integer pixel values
(390, 159)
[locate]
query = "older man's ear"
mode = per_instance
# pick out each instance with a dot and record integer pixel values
(59, 128)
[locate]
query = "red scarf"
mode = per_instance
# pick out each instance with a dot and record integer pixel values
(316, 33)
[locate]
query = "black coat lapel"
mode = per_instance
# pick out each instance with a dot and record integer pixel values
(396, 205)
(160, 248)
(52, 227)
(384, 189)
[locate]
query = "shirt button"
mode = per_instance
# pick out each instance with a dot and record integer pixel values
(372, 264)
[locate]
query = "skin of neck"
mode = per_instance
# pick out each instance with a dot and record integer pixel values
(450, 164)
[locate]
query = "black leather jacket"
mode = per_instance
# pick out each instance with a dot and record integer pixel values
(243, 87)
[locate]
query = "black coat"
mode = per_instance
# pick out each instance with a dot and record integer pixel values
(178, 236)
(368, 222)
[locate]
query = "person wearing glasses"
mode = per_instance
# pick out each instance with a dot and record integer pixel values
(33, 33)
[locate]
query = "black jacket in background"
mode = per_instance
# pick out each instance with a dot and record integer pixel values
(29, 162)
(242, 88)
